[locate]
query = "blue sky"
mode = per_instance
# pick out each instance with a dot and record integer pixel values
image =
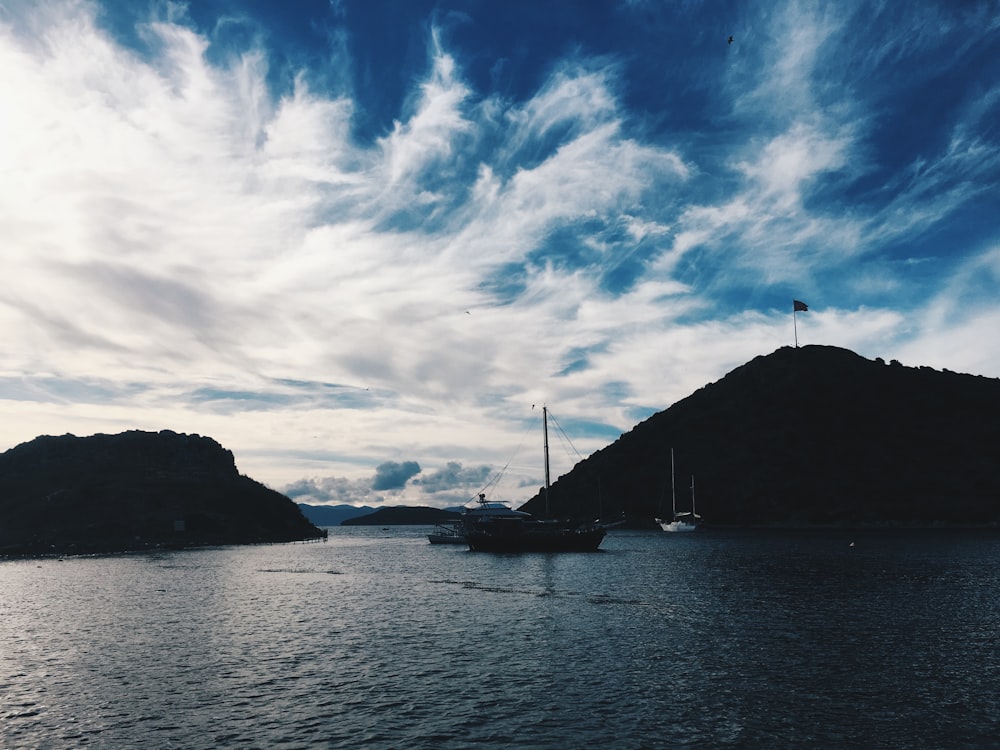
(360, 243)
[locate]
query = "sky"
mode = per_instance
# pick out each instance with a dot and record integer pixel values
(360, 243)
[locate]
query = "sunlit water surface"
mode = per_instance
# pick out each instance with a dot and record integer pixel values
(377, 639)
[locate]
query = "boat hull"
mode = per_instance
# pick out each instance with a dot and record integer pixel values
(444, 538)
(675, 526)
(450, 534)
(535, 537)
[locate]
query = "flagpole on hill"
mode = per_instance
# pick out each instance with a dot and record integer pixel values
(797, 306)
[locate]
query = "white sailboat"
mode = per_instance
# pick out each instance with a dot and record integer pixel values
(685, 520)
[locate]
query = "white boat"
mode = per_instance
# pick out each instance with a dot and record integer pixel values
(685, 520)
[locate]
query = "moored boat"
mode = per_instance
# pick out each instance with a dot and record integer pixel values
(510, 530)
(684, 520)
(451, 534)
(455, 532)
(534, 535)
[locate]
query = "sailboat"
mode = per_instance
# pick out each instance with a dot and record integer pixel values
(521, 532)
(685, 520)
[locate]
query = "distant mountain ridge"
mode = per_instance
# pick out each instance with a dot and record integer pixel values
(403, 515)
(135, 490)
(806, 436)
(333, 515)
(398, 515)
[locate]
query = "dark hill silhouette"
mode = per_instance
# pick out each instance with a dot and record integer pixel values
(402, 515)
(135, 490)
(804, 436)
(332, 515)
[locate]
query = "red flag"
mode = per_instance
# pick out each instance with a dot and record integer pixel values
(798, 306)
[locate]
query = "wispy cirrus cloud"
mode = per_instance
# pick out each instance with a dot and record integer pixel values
(200, 235)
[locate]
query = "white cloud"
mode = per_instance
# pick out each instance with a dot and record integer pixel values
(428, 136)
(786, 165)
(172, 231)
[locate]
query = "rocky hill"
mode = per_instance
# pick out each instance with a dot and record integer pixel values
(135, 490)
(805, 436)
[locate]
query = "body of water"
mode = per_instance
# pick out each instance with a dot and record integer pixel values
(377, 639)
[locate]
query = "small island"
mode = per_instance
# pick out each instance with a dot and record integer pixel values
(135, 491)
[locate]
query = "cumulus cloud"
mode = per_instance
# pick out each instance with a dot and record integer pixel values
(454, 476)
(330, 491)
(393, 476)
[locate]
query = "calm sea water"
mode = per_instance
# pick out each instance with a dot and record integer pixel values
(377, 639)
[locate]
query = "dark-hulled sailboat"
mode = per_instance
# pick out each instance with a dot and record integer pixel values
(521, 532)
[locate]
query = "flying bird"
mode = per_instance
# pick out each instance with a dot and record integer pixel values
(730, 40)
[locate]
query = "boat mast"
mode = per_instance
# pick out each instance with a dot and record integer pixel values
(693, 514)
(673, 490)
(545, 432)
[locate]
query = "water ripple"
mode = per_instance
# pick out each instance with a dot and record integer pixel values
(380, 640)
